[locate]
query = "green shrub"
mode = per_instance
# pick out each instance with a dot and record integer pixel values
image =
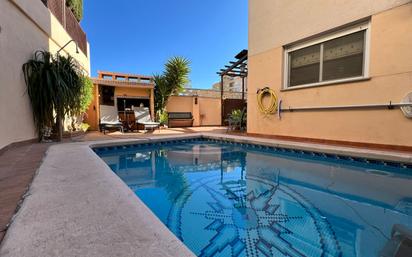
(238, 118)
(86, 95)
(84, 127)
(77, 8)
(163, 117)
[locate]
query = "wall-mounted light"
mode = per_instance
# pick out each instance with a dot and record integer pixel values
(195, 100)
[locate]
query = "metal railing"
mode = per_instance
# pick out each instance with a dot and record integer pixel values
(66, 17)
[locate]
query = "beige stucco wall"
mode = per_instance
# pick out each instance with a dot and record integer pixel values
(207, 111)
(390, 71)
(210, 111)
(26, 26)
(126, 91)
(180, 104)
(279, 22)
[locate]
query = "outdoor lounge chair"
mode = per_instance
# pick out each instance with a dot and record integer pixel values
(109, 118)
(142, 115)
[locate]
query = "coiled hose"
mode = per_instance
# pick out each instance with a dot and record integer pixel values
(273, 105)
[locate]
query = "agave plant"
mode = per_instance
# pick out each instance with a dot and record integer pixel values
(173, 80)
(54, 85)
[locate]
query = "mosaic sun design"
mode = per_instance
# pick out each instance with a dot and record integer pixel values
(250, 217)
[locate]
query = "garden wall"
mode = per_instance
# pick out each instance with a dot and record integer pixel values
(25, 26)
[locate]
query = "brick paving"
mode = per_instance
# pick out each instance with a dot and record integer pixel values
(17, 168)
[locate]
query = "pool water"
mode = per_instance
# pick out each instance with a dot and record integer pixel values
(227, 199)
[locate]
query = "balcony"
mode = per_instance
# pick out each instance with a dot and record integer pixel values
(68, 21)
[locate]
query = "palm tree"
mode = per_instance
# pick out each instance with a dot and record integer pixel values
(172, 81)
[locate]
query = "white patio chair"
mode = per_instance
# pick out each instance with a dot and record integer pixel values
(109, 118)
(142, 115)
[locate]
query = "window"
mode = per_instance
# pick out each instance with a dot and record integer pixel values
(337, 57)
(106, 94)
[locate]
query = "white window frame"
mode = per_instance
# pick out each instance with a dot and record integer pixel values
(364, 26)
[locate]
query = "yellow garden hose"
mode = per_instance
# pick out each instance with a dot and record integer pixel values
(273, 105)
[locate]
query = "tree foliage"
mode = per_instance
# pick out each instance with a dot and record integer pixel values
(77, 8)
(86, 94)
(172, 81)
(55, 86)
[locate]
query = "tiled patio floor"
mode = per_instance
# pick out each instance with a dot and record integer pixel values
(17, 168)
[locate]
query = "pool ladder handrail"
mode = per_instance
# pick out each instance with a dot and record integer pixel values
(399, 234)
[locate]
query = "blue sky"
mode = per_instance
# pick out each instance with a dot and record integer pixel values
(138, 36)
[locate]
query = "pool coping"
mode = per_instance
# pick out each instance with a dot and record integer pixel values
(76, 205)
(367, 153)
(373, 154)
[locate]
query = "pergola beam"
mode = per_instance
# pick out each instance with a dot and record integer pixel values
(233, 74)
(233, 66)
(227, 66)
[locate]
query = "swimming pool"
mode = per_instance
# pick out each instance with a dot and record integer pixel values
(231, 199)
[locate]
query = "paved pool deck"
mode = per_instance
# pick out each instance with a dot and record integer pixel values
(76, 206)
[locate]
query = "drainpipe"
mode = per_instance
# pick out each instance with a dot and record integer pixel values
(243, 88)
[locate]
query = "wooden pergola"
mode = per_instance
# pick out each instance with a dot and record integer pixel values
(236, 68)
